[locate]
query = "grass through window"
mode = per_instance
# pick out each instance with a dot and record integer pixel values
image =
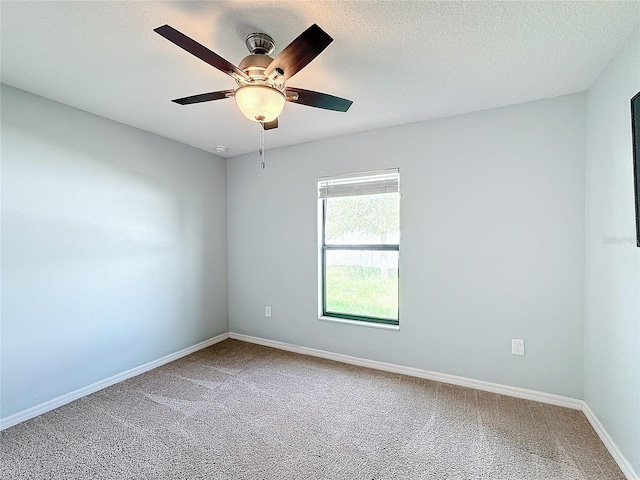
(362, 291)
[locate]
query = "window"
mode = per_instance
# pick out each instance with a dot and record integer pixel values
(359, 238)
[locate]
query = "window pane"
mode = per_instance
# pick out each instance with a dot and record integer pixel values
(362, 283)
(363, 219)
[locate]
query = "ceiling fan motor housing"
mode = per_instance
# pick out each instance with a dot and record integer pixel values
(254, 65)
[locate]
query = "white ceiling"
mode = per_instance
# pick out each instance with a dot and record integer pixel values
(399, 61)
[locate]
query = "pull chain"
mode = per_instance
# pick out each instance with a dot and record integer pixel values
(261, 151)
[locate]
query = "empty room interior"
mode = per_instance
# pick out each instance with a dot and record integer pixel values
(332, 239)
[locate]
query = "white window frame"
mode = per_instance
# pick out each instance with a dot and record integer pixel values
(363, 183)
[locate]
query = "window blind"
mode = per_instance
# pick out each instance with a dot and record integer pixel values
(367, 183)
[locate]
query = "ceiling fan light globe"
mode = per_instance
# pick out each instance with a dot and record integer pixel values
(260, 103)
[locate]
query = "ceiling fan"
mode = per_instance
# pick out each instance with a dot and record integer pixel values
(262, 91)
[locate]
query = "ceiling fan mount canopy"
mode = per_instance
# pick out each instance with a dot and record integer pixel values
(260, 44)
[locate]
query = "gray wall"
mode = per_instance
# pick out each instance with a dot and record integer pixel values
(114, 248)
(492, 244)
(612, 325)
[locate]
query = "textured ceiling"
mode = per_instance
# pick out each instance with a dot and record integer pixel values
(398, 61)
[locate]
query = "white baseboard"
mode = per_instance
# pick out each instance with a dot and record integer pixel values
(94, 387)
(615, 452)
(549, 398)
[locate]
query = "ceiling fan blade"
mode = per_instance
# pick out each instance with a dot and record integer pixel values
(204, 97)
(300, 52)
(319, 100)
(271, 125)
(200, 51)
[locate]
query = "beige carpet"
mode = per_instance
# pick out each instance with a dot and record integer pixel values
(241, 411)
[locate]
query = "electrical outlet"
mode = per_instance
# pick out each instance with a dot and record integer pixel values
(267, 312)
(517, 346)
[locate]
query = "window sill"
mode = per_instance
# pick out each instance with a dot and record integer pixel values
(381, 326)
